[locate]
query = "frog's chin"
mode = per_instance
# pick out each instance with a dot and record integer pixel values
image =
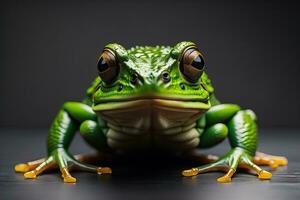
(152, 102)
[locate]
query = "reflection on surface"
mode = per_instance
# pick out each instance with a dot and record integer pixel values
(146, 177)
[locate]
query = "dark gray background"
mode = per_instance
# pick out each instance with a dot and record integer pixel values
(49, 51)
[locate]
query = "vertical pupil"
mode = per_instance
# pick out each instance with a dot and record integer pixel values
(102, 65)
(198, 62)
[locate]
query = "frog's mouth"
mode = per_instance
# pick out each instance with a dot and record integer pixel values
(127, 103)
(150, 113)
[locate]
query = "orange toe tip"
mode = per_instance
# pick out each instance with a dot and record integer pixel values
(22, 167)
(283, 161)
(104, 170)
(190, 172)
(30, 175)
(70, 179)
(224, 179)
(274, 165)
(265, 175)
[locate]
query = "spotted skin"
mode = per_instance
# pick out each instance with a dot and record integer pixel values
(148, 98)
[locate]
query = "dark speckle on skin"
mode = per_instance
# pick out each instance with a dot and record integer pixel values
(181, 85)
(120, 87)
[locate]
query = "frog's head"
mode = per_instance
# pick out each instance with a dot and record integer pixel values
(169, 77)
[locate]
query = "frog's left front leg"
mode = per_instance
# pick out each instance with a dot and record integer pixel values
(72, 116)
(242, 134)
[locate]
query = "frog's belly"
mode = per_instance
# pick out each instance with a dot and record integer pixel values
(150, 124)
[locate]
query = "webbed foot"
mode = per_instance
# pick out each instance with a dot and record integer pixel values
(60, 159)
(229, 164)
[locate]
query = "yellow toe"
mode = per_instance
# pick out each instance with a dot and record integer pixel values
(224, 179)
(69, 179)
(104, 170)
(264, 175)
(190, 172)
(30, 175)
(274, 165)
(282, 161)
(22, 167)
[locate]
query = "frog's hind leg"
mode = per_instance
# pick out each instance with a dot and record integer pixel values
(196, 156)
(272, 161)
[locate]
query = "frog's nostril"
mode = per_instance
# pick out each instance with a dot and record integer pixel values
(181, 85)
(165, 76)
(120, 87)
(134, 78)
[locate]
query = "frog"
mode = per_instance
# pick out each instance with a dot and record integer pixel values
(153, 97)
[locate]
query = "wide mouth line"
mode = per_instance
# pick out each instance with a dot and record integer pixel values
(126, 103)
(137, 98)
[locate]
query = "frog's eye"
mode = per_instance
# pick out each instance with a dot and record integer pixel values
(108, 67)
(192, 65)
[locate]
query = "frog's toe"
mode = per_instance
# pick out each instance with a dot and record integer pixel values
(30, 175)
(22, 167)
(79, 166)
(104, 170)
(216, 166)
(227, 177)
(224, 179)
(33, 173)
(91, 168)
(262, 174)
(270, 160)
(28, 166)
(190, 172)
(68, 178)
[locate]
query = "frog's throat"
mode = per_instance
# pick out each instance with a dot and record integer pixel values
(176, 104)
(151, 118)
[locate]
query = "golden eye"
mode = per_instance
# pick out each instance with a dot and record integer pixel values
(108, 68)
(192, 65)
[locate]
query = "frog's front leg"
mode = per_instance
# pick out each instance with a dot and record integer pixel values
(72, 116)
(241, 129)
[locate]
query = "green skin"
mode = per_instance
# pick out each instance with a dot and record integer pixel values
(219, 121)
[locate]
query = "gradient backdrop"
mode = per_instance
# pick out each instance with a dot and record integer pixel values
(49, 51)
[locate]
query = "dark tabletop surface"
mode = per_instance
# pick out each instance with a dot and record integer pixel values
(146, 177)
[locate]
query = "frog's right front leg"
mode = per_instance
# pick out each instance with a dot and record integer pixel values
(71, 117)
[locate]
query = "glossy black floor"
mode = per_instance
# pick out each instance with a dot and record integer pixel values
(146, 177)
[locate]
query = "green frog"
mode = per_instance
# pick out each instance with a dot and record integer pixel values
(153, 98)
